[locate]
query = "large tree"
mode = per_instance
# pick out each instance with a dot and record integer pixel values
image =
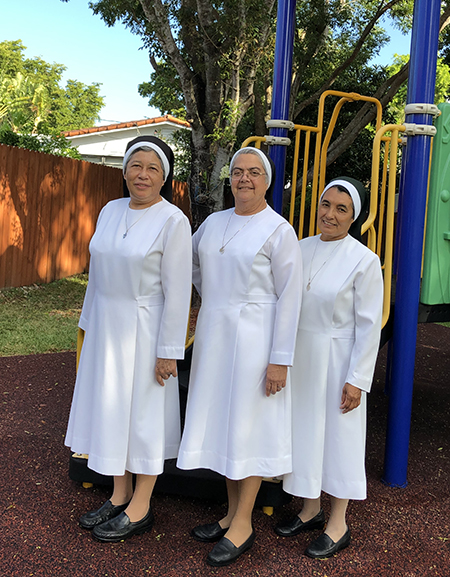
(218, 55)
(214, 49)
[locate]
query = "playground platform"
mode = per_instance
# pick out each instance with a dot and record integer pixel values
(396, 532)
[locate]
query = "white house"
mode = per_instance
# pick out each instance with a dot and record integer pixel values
(106, 144)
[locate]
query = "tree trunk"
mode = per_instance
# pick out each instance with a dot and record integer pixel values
(222, 158)
(201, 205)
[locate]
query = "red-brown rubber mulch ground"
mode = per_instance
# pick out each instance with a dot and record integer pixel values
(396, 532)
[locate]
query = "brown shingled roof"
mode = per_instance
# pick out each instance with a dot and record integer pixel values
(131, 124)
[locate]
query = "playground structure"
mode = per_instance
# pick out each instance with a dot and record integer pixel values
(409, 240)
(412, 206)
(379, 225)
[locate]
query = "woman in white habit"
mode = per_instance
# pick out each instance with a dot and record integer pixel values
(125, 408)
(336, 351)
(247, 269)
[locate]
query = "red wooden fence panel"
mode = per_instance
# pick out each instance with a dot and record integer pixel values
(48, 209)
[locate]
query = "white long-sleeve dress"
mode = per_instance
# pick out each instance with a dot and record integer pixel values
(136, 309)
(248, 319)
(337, 343)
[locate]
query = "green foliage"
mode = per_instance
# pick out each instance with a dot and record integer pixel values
(444, 46)
(225, 135)
(41, 318)
(23, 102)
(30, 91)
(182, 168)
(46, 143)
(402, 15)
(164, 90)
(75, 107)
(357, 160)
(34, 109)
(11, 57)
(442, 92)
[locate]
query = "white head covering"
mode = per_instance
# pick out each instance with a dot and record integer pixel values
(262, 156)
(154, 147)
(356, 199)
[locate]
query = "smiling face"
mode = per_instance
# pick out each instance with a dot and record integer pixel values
(335, 214)
(144, 177)
(249, 189)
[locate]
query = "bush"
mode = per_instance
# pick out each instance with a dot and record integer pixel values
(49, 144)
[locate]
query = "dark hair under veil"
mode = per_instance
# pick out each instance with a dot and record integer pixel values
(166, 190)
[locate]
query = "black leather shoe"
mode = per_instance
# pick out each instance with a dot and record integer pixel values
(121, 528)
(106, 512)
(225, 552)
(324, 546)
(208, 533)
(296, 525)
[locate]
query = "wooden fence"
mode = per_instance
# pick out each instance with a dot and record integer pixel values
(48, 209)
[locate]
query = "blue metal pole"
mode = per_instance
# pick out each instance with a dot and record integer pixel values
(282, 74)
(421, 87)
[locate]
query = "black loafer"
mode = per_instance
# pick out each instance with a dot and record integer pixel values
(106, 512)
(225, 552)
(208, 533)
(121, 528)
(324, 546)
(296, 525)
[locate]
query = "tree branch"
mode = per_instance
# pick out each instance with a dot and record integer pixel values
(367, 113)
(155, 12)
(356, 50)
(445, 18)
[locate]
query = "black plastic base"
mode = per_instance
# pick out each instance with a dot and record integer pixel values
(198, 483)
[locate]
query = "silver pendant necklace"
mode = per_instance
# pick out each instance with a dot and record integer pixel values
(224, 244)
(125, 234)
(311, 278)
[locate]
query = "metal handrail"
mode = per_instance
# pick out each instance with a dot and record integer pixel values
(394, 129)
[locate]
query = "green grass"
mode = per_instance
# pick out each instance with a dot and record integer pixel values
(41, 318)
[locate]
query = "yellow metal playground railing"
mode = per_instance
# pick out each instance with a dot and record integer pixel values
(379, 225)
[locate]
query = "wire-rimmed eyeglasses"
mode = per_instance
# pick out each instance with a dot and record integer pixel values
(253, 173)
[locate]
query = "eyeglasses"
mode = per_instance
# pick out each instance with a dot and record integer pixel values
(253, 173)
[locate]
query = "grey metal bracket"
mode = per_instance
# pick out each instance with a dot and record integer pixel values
(415, 108)
(287, 124)
(281, 140)
(419, 129)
